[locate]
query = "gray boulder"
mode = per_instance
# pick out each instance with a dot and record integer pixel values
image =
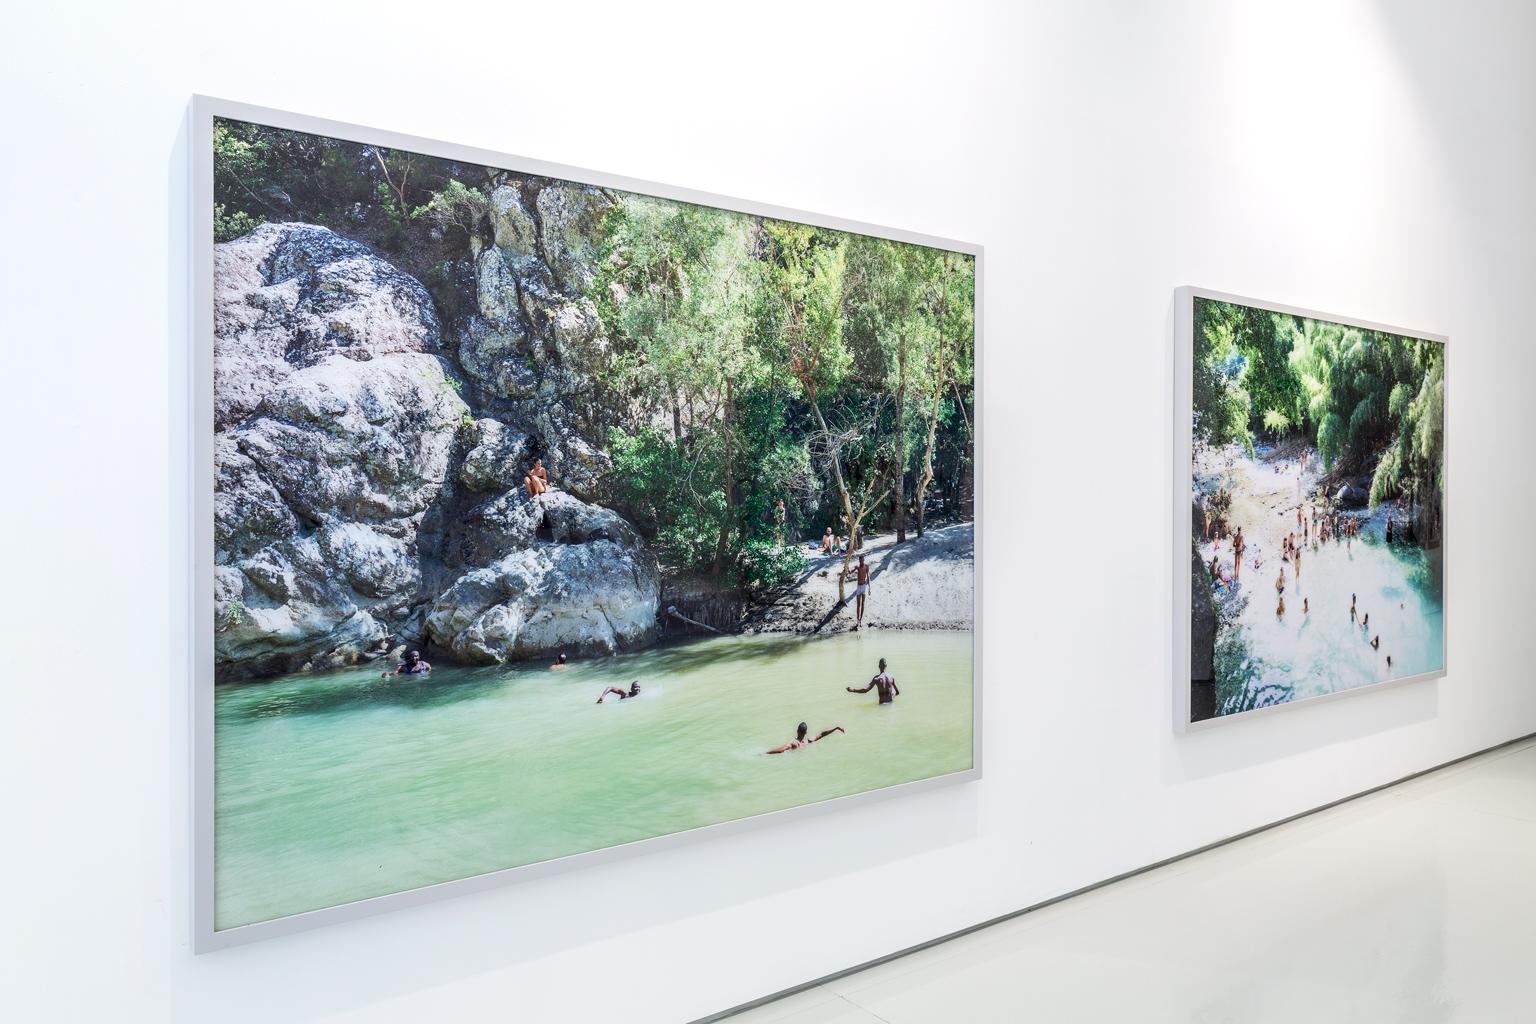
(288, 296)
(593, 596)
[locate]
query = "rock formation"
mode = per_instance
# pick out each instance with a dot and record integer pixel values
(359, 500)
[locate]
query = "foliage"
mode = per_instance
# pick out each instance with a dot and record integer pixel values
(1371, 402)
(764, 565)
(748, 361)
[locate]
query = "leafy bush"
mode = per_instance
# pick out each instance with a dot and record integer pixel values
(762, 565)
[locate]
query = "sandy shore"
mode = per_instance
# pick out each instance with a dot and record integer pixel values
(925, 583)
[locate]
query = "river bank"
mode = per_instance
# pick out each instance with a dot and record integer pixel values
(926, 583)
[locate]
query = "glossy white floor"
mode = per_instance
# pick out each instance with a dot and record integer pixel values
(1417, 903)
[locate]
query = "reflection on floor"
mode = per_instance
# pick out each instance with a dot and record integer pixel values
(1411, 905)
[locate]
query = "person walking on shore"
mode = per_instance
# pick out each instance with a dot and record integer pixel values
(860, 592)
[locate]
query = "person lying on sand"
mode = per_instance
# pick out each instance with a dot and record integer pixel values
(413, 665)
(1280, 609)
(800, 740)
(634, 691)
(885, 683)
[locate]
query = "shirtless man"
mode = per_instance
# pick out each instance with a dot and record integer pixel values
(860, 591)
(800, 740)
(537, 480)
(884, 684)
(634, 691)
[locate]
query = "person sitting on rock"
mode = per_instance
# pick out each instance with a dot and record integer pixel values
(634, 691)
(413, 665)
(536, 482)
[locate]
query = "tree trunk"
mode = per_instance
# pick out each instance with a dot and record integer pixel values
(899, 486)
(842, 486)
(728, 481)
(925, 475)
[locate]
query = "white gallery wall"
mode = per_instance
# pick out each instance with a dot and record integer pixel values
(1375, 159)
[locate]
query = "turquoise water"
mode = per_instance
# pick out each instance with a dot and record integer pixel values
(1319, 650)
(341, 786)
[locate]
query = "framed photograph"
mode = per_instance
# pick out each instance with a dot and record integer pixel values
(1309, 506)
(546, 515)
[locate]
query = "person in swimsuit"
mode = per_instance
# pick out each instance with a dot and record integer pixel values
(413, 665)
(860, 591)
(537, 480)
(634, 691)
(884, 683)
(801, 741)
(559, 663)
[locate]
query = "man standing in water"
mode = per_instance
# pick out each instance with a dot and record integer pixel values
(884, 684)
(800, 740)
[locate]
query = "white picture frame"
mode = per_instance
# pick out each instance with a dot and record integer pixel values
(205, 935)
(1182, 467)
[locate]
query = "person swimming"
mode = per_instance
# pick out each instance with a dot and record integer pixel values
(559, 662)
(413, 665)
(633, 691)
(801, 741)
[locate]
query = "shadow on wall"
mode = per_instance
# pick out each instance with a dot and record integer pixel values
(1294, 729)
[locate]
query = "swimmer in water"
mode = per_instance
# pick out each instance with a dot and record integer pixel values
(413, 665)
(800, 740)
(559, 663)
(634, 691)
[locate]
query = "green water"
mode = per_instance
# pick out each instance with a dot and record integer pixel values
(342, 786)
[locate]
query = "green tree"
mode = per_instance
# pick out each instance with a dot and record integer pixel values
(673, 287)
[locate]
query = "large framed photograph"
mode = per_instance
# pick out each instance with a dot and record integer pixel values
(546, 515)
(1309, 506)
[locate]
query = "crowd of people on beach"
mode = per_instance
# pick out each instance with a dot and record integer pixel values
(1319, 521)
